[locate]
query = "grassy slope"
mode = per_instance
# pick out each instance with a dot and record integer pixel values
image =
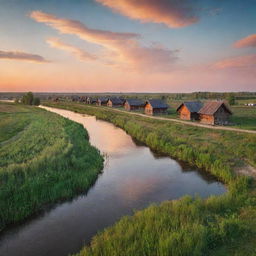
(223, 225)
(44, 158)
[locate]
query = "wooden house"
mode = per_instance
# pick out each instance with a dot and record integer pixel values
(133, 104)
(91, 100)
(102, 101)
(75, 98)
(155, 106)
(114, 102)
(83, 99)
(215, 112)
(189, 110)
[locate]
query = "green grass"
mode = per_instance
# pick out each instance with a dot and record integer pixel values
(244, 117)
(219, 225)
(44, 158)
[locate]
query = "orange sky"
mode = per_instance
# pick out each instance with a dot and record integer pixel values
(126, 46)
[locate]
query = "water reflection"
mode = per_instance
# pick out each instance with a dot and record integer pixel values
(133, 177)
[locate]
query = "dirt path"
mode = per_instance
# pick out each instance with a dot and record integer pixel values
(181, 121)
(247, 170)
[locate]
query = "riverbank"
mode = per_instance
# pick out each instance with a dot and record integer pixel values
(44, 159)
(221, 225)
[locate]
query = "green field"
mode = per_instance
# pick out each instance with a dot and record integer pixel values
(244, 117)
(223, 225)
(44, 159)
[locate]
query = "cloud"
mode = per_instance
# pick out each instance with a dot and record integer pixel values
(18, 55)
(66, 26)
(123, 49)
(247, 61)
(249, 41)
(77, 52)
(173, 13)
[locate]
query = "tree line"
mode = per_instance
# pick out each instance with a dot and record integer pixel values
(29, 99)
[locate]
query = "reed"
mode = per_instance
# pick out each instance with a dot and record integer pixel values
(44, 159)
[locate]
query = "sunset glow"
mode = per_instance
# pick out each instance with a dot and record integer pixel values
(127, 46)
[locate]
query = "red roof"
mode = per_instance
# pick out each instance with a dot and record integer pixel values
(211, 107)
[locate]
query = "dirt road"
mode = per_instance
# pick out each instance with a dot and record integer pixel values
(224, 128)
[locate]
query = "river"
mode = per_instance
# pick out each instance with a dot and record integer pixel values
(133, 177)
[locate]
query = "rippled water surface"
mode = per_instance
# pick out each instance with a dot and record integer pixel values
(133, 178)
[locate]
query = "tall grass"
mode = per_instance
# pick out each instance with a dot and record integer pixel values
(49, 160)
(219, 225)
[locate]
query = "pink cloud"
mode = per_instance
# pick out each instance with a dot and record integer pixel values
(173, 13)
(23, 56)
(124, 49)
(77, 52)
(248, 61)
(249, 41)
(66, 26)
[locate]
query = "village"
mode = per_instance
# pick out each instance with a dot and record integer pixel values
(214, 112)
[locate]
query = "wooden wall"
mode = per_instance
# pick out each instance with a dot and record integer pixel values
(127, 106)
(206, 119)
(184, 113)
(152, 111)
(148, 109)
(221, 116)
(109, 104)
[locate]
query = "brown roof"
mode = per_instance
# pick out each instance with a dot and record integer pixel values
(211, 107)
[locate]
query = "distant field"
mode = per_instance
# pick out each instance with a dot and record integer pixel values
(244, 117)
(44, 158)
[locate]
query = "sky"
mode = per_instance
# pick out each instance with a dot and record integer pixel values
(127, 45)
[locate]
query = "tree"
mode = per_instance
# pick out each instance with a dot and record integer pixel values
(36, 101)
(231, 100)
(28, 99)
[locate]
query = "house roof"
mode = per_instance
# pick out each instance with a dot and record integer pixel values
(155, 103)
(91, 99)
(135, 102)
(103, 99)
(192, 106)
(116, 101)
(211, 107)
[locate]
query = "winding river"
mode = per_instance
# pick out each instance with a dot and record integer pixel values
(133, 178)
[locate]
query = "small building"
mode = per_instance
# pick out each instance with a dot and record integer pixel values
(55, 99)
(189, 110)
(155, 106)
(122, 99)
(114, 102)
(75, 98)
(91, 100)
(133, 104)
(83, 99)
(102, 101)
(215, 112)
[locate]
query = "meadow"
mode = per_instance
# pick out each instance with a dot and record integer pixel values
(45, 158)
(219, 225)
